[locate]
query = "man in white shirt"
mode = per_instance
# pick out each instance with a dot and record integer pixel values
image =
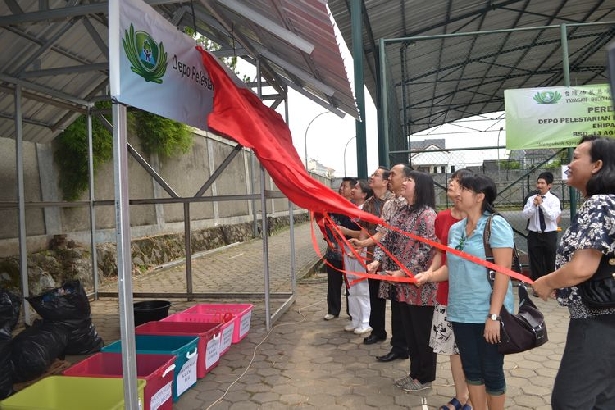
(542, 210)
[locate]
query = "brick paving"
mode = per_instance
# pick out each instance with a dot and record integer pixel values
(306, 362)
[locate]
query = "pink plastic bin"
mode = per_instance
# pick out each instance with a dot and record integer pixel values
(208, 346)
(227, 328)
(156, 370)
(243, 314)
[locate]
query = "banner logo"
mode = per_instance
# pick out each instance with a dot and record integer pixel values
(147, 57)
(547, 97)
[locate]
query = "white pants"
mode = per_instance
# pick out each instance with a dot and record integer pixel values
(358, 294)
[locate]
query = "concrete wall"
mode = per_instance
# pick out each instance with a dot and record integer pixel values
(8, 192)
(186, 174)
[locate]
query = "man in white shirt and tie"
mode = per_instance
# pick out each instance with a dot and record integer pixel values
(542, 210)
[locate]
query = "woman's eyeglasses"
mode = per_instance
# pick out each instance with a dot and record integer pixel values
(462, 243)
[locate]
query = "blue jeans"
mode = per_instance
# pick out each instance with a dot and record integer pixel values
(481, 361)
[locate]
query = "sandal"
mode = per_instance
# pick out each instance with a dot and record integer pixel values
(455, 403)
(466, 407)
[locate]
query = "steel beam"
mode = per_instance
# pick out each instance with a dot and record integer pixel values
(67, 12)
(236, 150)
(42, 89)
(52, 72)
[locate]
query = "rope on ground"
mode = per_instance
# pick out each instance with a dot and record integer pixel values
(304, 318)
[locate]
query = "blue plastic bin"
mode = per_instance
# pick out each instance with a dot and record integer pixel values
(184, 347)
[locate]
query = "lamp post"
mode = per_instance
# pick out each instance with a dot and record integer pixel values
(305, 136)
(346, 146)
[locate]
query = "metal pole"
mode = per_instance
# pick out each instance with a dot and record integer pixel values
(21, 206)
(346, 146)
(356, 18)
(475, 33)
(383, 138)
(566, 68)
(305, 136)
(402, 55)
(265, 225)
(253, 166)
(291, 222)
(124, 257)
(252, 191)
(94, 256)
(188, 245)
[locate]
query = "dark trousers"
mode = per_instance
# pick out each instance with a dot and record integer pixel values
(399, 343)
(335, 281)
(541, 249)
(417, 328)
(587, 370)
(378, 310)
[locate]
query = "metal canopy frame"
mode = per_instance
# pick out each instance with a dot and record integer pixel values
(57, 51)
(53, 84)
(430, 83)
(563, 34)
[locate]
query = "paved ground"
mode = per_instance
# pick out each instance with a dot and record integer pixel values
(306, 362)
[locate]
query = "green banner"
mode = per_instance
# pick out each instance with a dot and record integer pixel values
(557, 117)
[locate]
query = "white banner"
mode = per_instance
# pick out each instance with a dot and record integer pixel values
(159, 69)
(557, 117)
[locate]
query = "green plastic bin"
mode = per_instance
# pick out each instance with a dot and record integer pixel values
(72, 393)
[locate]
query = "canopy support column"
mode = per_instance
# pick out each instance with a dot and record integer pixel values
(21, 206)
(124, 257)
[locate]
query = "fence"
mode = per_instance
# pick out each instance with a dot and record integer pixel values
(514, 176)
(47, 215)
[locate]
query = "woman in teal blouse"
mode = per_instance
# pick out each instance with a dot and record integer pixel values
(473, 304)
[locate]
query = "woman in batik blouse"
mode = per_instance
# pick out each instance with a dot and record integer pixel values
(417, 303)
(585, 379)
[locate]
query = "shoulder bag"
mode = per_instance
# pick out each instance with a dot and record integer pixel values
(524, 330)
(598, 292)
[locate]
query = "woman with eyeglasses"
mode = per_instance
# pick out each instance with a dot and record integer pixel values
(416, 303)
(473, 304)
(585, 379)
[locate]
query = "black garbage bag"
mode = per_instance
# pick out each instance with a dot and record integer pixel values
(9, 315)
(68, 302)
(82, 337)
(36, 348)
(10, 305)
(69, 307)
(6, 367)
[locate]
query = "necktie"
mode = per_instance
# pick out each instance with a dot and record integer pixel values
(541, 218)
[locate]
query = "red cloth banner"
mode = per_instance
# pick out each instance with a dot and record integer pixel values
(240, 115)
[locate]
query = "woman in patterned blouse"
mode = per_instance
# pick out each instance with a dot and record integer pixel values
(418, 217)
(586, 375)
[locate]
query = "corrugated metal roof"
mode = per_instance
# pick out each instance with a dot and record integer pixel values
(442, 80)
(59, 54)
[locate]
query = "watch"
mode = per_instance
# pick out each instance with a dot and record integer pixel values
(493, 316)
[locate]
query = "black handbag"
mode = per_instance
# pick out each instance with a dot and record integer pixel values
(524, 330)
(598, 292)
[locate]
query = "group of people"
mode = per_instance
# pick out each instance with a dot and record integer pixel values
(449, 305)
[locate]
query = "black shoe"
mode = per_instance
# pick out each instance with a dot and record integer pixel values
(371, 339)
(389, 357)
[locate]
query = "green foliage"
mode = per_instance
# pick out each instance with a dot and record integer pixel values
(554, 164)
(71, 153)
(161, 135)
(158, 135)
(510, 164)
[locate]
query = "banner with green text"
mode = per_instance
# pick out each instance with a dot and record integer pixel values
(557, 117)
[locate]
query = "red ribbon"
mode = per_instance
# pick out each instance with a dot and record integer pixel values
(341, 239)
